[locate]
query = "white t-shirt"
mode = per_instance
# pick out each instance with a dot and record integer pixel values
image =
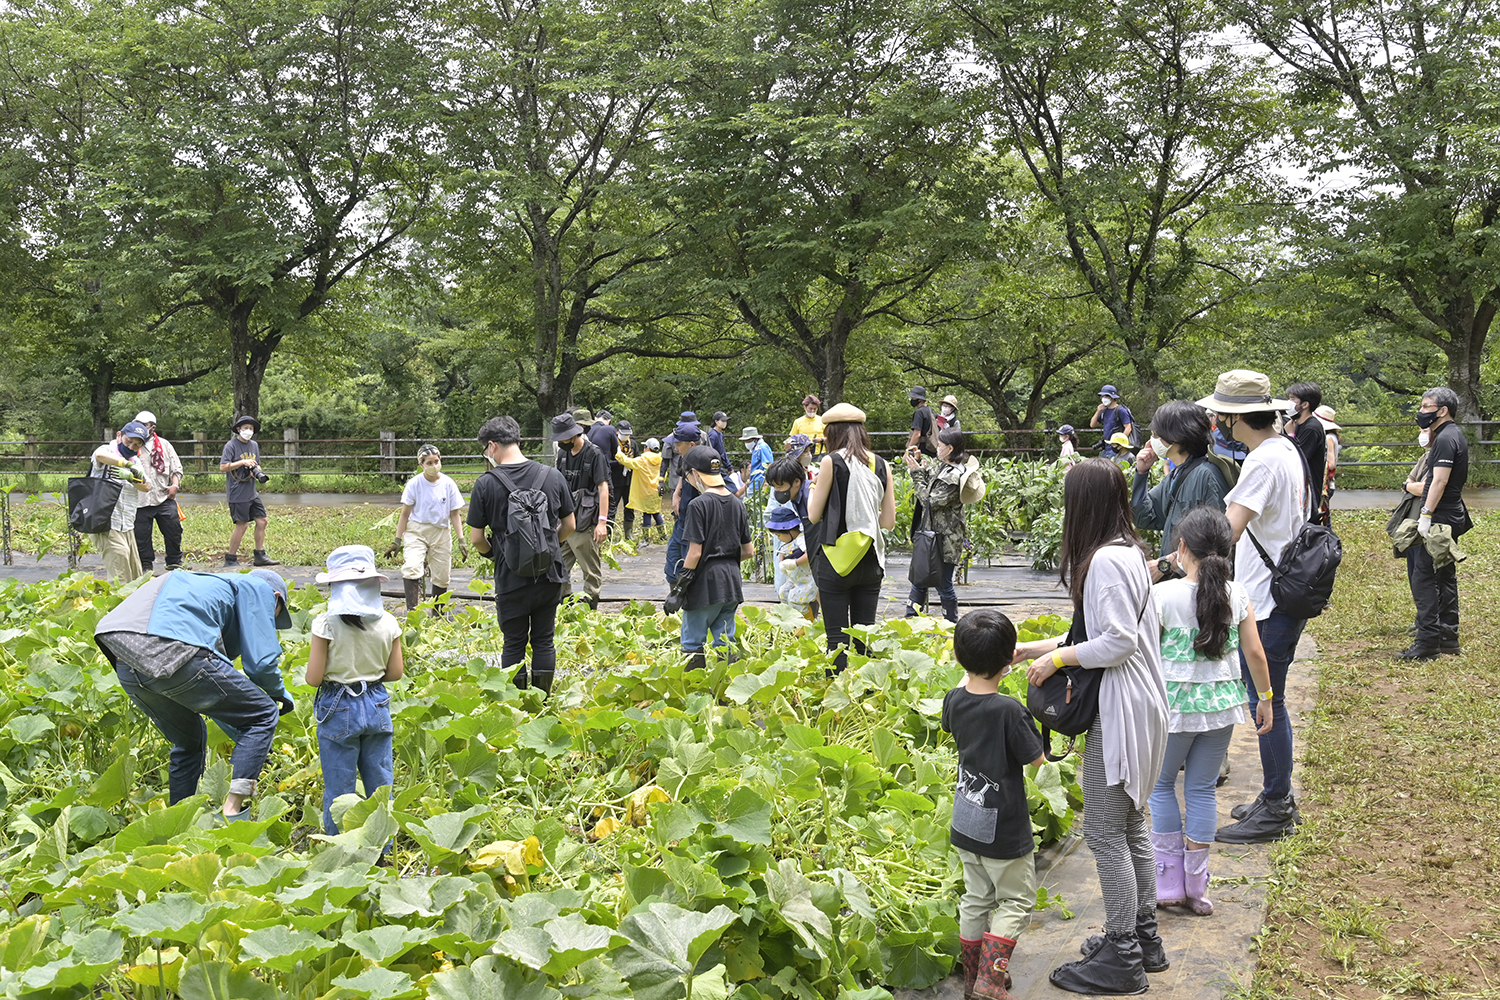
(432, 503)
(1202, 694)
(357, 654)
(1272, 485)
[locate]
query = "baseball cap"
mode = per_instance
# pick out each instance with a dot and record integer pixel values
(706, 462)
(279, 588)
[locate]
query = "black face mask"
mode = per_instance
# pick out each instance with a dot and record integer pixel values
(782, 496)
(1426, 420)
(129, 452)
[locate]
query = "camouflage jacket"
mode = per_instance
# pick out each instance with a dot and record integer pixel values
(937, 488)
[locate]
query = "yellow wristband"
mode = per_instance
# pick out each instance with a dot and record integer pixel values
(1266, 695)
(1057, 659)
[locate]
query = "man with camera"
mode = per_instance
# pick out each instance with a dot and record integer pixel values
(240, 464)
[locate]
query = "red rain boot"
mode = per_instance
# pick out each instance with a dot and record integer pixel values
(991, 983)
(969, 955)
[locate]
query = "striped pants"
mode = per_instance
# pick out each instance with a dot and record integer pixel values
(1115, 831)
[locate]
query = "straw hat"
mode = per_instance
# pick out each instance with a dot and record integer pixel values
(844, 413)
(1242, 391)
(972, 487)
(1325, 414)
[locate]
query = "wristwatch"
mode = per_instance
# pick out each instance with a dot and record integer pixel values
(1167, 568)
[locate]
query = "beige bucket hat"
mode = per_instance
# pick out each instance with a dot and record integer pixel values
(1242, 391)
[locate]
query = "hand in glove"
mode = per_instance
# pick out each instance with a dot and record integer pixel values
(396, 547)
(287, 707)
(1424, 525)
(788, 566)
(463, 549)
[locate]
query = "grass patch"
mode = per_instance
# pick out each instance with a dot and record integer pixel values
(1388, 888)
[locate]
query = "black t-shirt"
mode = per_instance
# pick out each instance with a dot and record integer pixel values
(583, 473)
(1312, 440)
(921, 422)
(607, 440)
(1450, 450)
(488, 507)
(719, 523)
(996, 738)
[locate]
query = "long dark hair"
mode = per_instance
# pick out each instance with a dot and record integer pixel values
(1207, 534)
(1096, 512)
(848, 434)
(954, 438)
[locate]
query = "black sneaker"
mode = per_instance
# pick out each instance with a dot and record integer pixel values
(1446, 648)
(1243, 809)
(1114, 968)
(1270, 822)
(1418, 651)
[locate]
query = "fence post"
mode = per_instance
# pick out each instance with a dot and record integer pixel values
(290, 437)
(33, 465)
(388, 453)
(200, 439)
(5, 524)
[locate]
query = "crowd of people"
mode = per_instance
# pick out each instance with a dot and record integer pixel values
(1175, 647)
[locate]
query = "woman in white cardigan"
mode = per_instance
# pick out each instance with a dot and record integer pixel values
(1103, 565)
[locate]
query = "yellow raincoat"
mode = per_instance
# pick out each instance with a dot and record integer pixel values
(644, 492)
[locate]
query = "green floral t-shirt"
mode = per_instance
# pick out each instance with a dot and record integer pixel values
(1202, 694)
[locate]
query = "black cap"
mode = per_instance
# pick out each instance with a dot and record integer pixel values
(720, 415)
(624, 427)
(565, 427)
(702, 458)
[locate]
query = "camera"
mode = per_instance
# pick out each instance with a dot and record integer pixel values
(259, 474)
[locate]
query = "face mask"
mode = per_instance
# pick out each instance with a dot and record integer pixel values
(247, 434)
(1105, 400)
(1291, 411)
(1159, 446)
(433, 471)
(782, 496)
(1426, 419)
(488, 460)
(1424, 439)
(126, 450)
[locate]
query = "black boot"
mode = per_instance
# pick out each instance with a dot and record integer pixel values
(413, 593)
(1114, 968)
(542, 680)
(231, 559)
(1418, 651)
(695, 660)
(261, 559)
(436, 593)
(1243, 809)
(950, 609)
(1274, 819)
(1153, 949)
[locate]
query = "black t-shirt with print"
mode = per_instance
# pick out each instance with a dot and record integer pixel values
(921, 422)
(1450, 450)
(583, 473)
(489, 506)
(720, 524)
(996, 738)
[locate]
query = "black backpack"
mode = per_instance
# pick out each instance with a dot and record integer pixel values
(529, 544)
(1302, 580)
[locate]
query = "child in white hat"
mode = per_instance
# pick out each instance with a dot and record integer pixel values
(355, 648)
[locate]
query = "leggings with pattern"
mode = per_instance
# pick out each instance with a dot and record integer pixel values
(1115, 831)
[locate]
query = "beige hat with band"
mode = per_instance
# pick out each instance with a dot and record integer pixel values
(844, 413)
(1242, 391)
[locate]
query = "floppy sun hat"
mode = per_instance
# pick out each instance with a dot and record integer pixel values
(1242, 391)
(1325, 415)
(356, 582)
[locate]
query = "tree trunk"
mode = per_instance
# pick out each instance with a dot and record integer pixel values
(246, 369)
(101, 386)
(1464, 350)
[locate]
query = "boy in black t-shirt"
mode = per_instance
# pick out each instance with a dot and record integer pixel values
(991, 820)
(717, 533)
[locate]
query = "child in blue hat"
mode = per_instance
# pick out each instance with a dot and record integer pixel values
(794, 578)
(355, 648)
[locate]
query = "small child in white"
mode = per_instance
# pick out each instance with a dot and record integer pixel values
(355, 648)
(431, 505)
(794, 578)
(991, 820)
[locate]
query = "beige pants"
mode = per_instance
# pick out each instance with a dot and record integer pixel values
(581, 549)
(429, 546)
(998, 895)
(122, 561)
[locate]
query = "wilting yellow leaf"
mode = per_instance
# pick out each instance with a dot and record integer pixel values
(604, 828)
(146, 972)
(635, 812)
(514, 855)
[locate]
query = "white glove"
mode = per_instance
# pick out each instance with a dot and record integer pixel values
(1424, 525)
(788, 566)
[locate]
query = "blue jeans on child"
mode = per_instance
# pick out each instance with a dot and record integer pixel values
(1202, 753)
(1279, 633)
(354, 738)
(698, 622)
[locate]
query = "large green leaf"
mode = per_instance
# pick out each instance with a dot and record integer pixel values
(663, 945)
(747, 817)
(379, 984)
(175, 916)
(490, 978)
(111, 787)
(161, 826)
(92, 955)
(424, 896)
(282, 948)
(792, 893)
(385, 942)
(222, 981)
(546, 736)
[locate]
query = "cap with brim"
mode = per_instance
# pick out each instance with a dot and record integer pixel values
(1242, 391)
(653, 444)
(1110, 391)
(146, 417)
(783, 519)
(1065, 430)
(351, 562)
(749, 434)
(1119, 440)
(844, 413)
(246, 419)
(798, 443)
(720, 415)
(706, 462)
(686, 430)
(565, 427)
(625, 428)
(604, 415)
(135, 429)
(279, 588)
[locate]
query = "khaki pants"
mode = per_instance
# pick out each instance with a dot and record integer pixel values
(429, 546)
(122, 561)
(580, 548)
(998, 895)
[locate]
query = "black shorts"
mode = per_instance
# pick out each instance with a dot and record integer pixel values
(250, 510)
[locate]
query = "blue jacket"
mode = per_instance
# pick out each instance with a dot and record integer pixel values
(204, 609)
(760, 460)
(716, 441)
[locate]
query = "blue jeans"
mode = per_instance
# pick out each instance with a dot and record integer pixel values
(698, 622)
(917, 598)
(1202, 753)
(1279, 634)
(676, 548)
(354, 737)
(206, 685)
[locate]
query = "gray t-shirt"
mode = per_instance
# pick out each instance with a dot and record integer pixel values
(239, 484)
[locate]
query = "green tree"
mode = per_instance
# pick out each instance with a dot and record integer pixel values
(1147, 134)
(1400, 103)
(826, 170)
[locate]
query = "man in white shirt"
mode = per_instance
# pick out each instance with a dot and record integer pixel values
(1270, 502)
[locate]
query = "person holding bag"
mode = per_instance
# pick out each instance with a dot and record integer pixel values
(941, 485)
(852, 504)
(1103, 565)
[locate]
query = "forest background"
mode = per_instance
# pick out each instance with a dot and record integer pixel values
(352, 215)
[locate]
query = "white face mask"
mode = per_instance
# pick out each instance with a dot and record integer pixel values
(1291, 411)
(247, 433)
(1424, 439)
(1159, 446)
(1106, 400)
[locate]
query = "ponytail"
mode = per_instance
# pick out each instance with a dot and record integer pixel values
(1207, 534)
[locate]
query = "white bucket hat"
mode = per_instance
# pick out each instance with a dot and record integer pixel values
(1242, 391)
